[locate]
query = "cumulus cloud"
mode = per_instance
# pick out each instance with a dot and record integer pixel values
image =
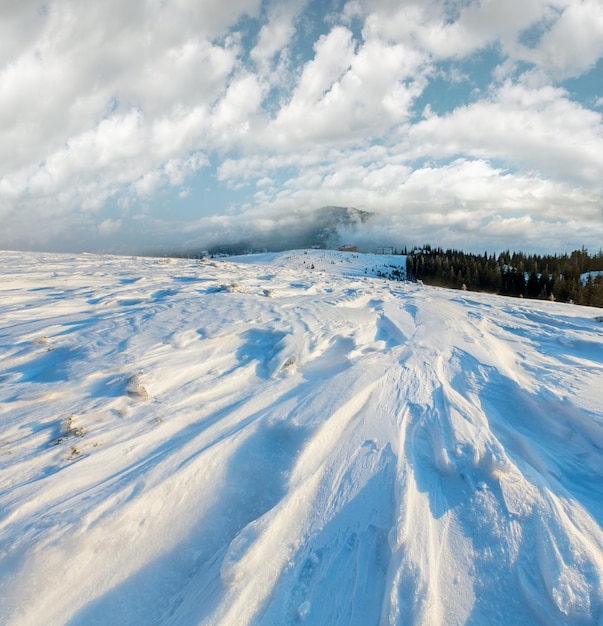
(536, 129)
(455, 29)
(573, 44)
(277, 32)
(109, 226)
(271, 107)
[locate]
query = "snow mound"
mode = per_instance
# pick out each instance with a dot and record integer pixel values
(290, 438)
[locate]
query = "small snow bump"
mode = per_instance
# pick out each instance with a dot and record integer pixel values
(135, 389)
(304, 610)
(290, 362)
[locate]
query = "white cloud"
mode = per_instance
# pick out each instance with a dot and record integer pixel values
(333, 56)
(20, 26)
(114, 102)
(174, 173)
(537, 129)
(574, 42)
(109, 227)
(148, 184)
(460, 203)
(345, 93)
(110, 146)
(276, 34)
(571, 30)
(466, 204)
(273, 37)
(177, 170)
(88, 60)
(232, 116)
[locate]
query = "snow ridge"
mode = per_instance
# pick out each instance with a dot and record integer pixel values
(288, 438)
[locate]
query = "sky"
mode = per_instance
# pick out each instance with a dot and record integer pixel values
(178, 125)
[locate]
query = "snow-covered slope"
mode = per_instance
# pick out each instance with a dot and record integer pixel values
(284, 439)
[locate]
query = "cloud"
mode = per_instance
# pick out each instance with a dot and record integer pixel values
(535, 129)
(453, 30)
(574, 42)
(461, 203)
(231, 118)
(348, 91)
(467, 204)
(434, 114)
(148, 184)
(173, 173)
(276, 34)
(109, 227)
(92, 64)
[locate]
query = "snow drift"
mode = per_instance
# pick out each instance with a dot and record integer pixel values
(284, 439)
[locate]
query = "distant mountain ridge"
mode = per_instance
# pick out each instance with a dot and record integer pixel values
(321, 228)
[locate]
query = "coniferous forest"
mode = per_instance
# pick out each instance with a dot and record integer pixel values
(575, 277)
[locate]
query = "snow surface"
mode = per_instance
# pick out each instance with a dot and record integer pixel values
(286, 438)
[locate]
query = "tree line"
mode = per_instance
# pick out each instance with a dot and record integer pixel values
(575, 277)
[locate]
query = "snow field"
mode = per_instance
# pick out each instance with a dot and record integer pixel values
(286, 438)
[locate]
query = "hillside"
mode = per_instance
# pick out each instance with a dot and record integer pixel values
(288, 438)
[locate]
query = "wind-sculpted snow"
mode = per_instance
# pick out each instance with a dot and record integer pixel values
(284, 439)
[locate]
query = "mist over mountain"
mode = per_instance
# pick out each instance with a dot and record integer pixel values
(326, 227)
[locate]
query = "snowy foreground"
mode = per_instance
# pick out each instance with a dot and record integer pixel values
(283, 439)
